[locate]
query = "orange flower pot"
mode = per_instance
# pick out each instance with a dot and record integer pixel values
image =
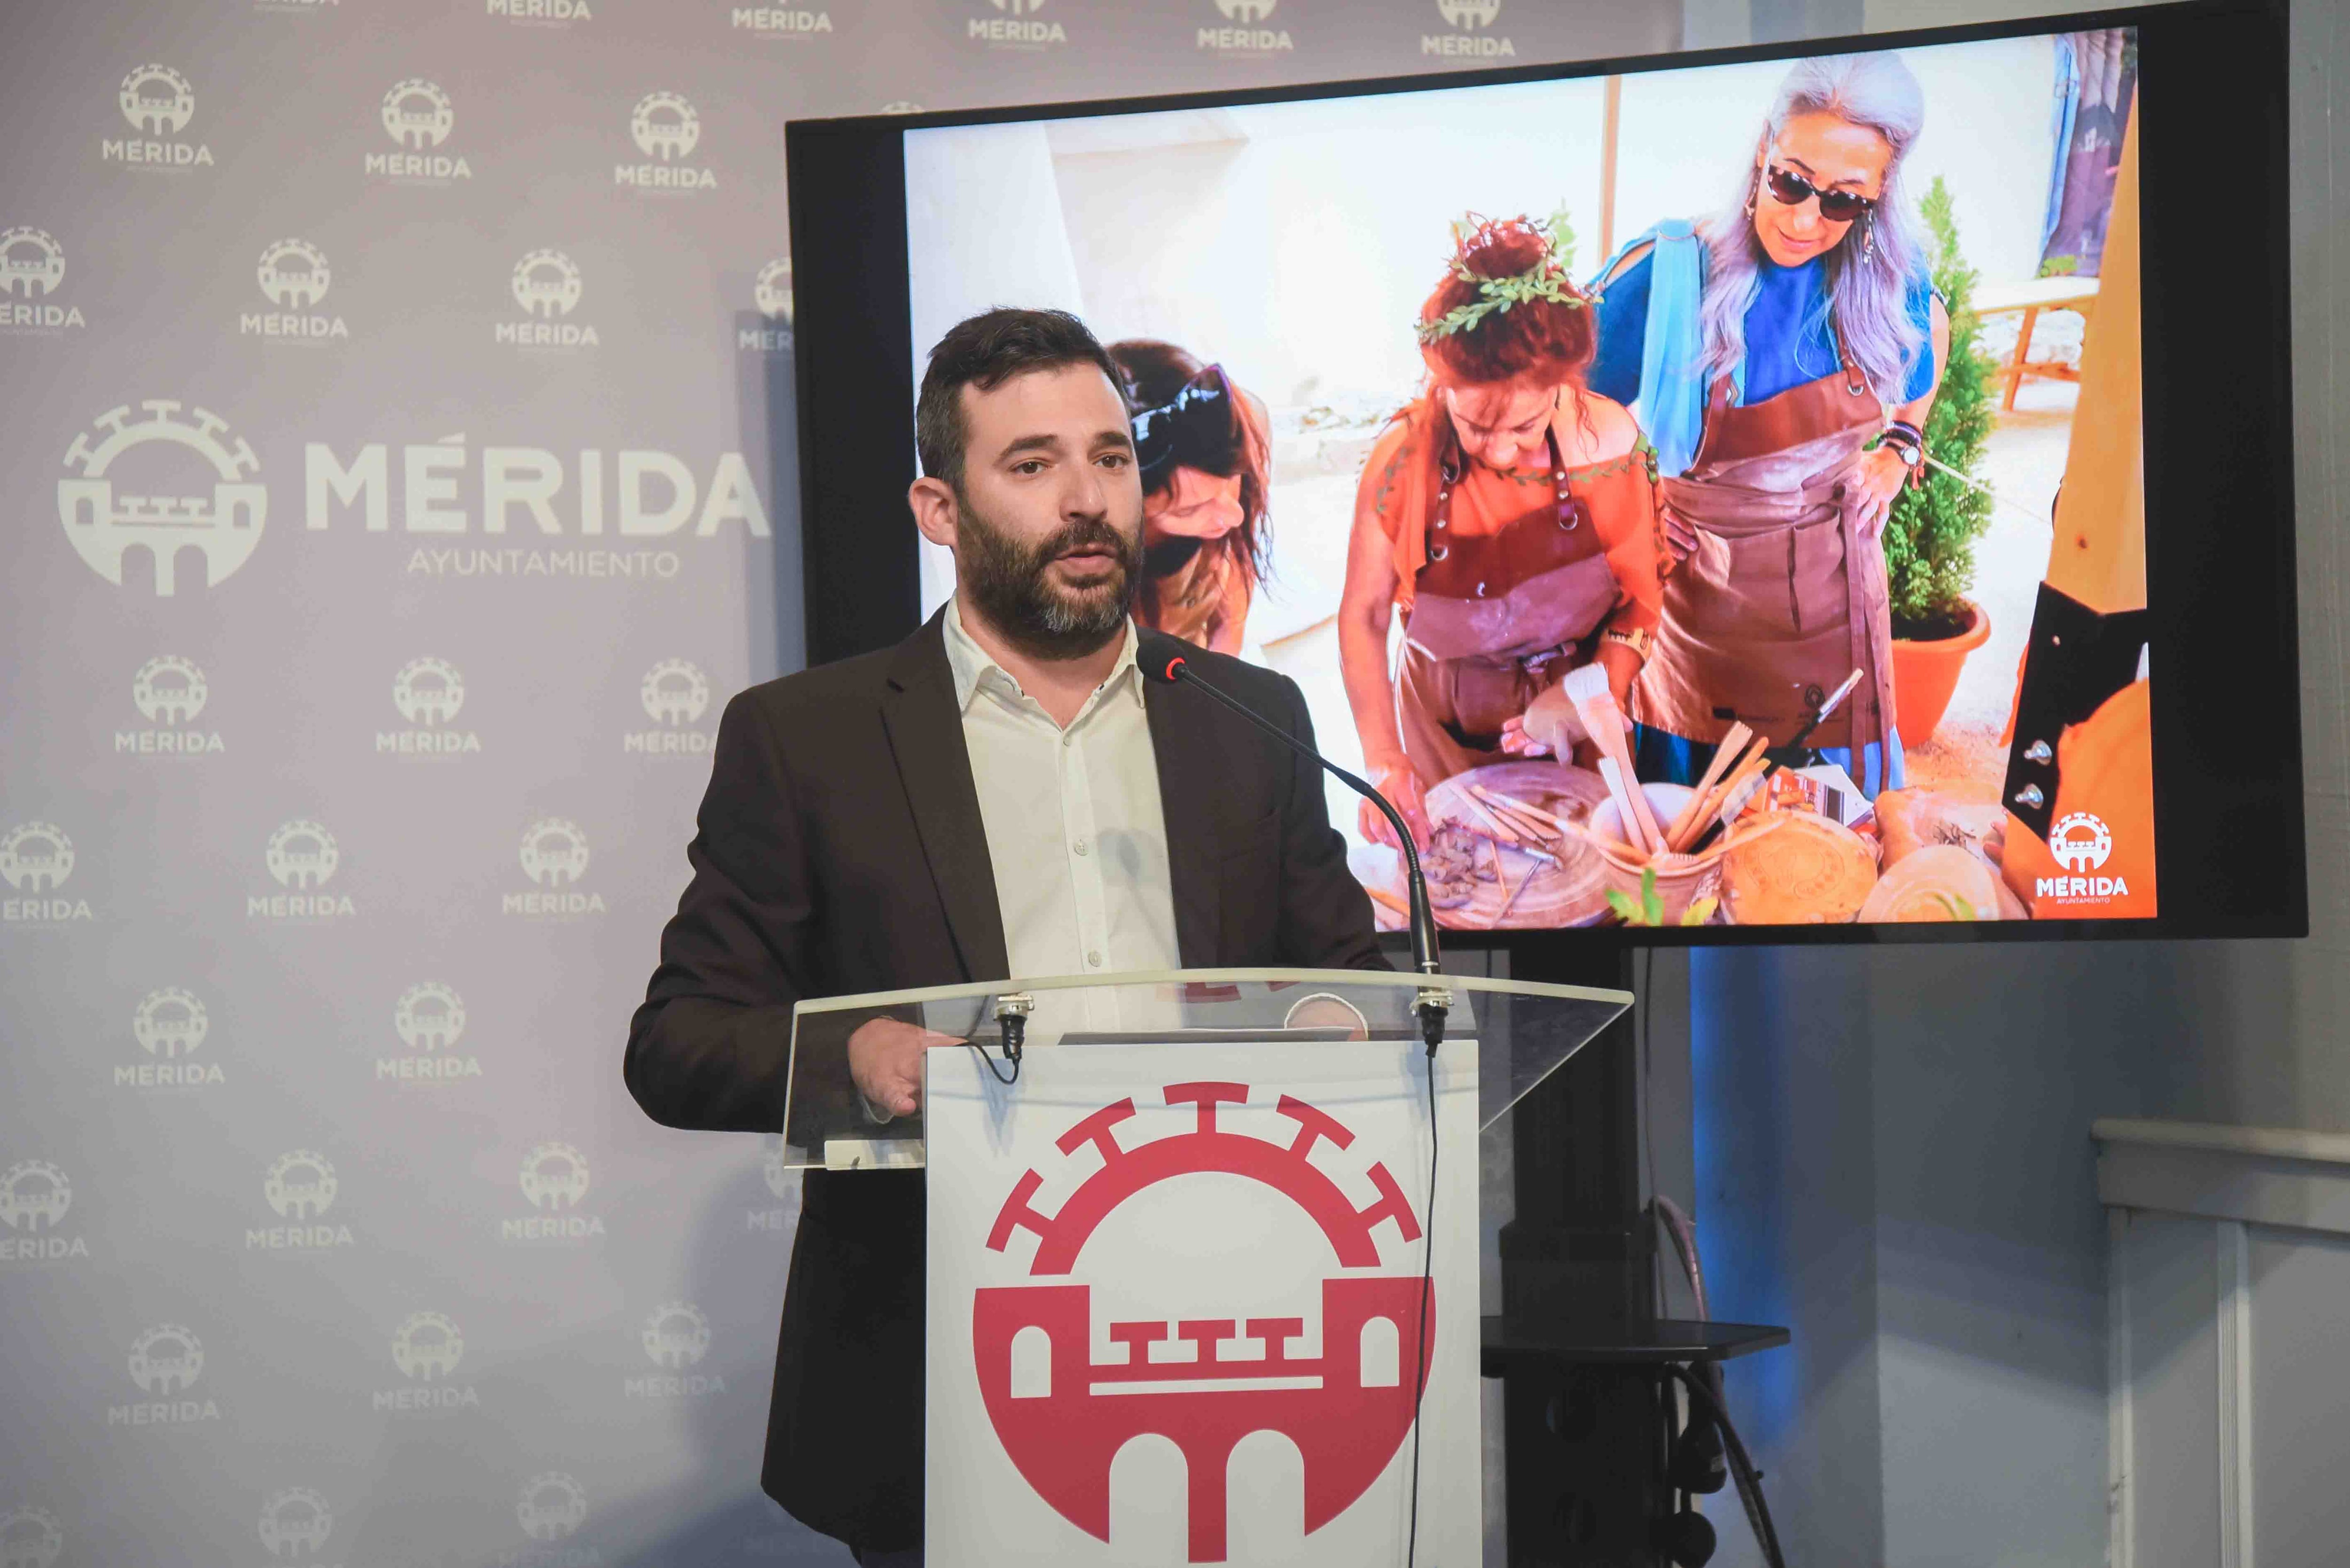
(1925, 674)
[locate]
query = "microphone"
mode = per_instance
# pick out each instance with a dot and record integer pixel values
(1178, 671)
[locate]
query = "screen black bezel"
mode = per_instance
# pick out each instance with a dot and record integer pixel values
(2229, 835)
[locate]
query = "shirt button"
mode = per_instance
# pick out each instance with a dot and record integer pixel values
(1079, 846)
(1093, 959)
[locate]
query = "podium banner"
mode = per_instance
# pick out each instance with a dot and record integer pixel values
(1174, 1299)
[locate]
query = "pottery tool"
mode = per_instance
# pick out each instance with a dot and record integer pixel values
(1741, 784)
(1524, 882)
(1524, 808)
(1513, 816)
(1505, 840)
(1709, 806)
(1624, 795)
(1727, 753)
(1493, 825)
(1827, 708)
(1603, 721)
(1732, 797)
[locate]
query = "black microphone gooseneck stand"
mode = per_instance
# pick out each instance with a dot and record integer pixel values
(1432, 1004)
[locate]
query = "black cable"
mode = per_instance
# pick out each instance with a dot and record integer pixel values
(980, 1051)
(1742, 1466)
(1420, 1341)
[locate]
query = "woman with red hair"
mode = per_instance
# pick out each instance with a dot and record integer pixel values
(1508, 513)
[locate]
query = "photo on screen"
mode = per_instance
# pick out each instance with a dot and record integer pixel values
(1651, 480)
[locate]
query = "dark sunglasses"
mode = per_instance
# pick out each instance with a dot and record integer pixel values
(1792, 190)
(1201, 427)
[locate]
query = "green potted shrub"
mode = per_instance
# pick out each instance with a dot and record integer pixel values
(1930, 536)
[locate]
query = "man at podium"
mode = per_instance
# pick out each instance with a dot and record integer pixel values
(1015, 790)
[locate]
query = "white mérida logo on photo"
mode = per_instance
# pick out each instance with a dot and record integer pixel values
(554, 856)
(790, 22)
(300, 1187)
(294, 1524)
(165, 1362)
(418, 116)
(541, 13)
(34, 1198)
(428, 693)
(35, 859)
(301, 856)
(169, 1024)
(675, 694)
(1245, 31)
(169, 691)
(294, 276)
(32, 268)
(426, 1348)
(1468, 19)
(1015, 27)
(106, 527)
(158, 101)
(546, 284)
(430, 1019)
(2081, 842)
(665, 127)
(771, 296)
(554, 1177)
(30, 1538)
(676, 1337)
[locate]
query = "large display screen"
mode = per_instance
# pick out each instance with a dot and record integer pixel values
(1712, 499)
(1372, 504)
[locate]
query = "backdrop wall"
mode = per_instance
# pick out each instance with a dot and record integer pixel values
(399, 480)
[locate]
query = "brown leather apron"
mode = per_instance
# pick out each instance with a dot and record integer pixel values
(1493, 618)
(1780, 598)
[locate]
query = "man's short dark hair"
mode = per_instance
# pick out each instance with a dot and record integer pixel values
(985, 351)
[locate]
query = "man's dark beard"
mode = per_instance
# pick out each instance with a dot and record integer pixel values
(1006, 581)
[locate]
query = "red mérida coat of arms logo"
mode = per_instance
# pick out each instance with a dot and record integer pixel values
(1346, 1410)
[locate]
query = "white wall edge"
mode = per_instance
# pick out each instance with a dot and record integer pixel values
(2259, 1176)
(2286, 1143)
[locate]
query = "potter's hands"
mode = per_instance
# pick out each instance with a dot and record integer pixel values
(1395, 779)
(885, 1059)
(1550, 727)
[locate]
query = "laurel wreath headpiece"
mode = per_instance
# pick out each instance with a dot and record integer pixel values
(1548, 280)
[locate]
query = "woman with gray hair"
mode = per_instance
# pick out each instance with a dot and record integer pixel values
(1782, 357)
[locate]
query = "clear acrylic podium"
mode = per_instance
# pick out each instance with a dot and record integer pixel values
(1202, 1278)
(1522, 1032)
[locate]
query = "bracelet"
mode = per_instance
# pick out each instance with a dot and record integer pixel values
(1638, 638)
(1908, 442)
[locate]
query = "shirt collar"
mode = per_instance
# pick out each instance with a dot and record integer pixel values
(970, 663)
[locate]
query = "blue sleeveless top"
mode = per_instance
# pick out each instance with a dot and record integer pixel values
(1648, 333)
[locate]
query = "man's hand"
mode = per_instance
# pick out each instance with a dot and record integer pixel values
(885, 1059)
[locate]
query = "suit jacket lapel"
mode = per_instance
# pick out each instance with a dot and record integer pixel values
(1187, 782)
(926, 739)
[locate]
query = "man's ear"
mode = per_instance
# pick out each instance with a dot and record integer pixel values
(935, 512)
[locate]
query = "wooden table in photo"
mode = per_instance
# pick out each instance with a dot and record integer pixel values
(2076, 294)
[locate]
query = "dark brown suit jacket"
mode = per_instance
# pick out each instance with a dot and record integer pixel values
(840, 850)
